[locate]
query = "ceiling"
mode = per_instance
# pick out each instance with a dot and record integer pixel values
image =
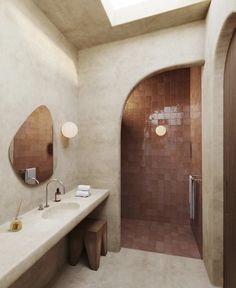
(85, 23)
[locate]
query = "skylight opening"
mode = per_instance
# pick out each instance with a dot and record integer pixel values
(117, 4)
(124, 11)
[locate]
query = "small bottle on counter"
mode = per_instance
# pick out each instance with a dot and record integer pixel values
(57, 195)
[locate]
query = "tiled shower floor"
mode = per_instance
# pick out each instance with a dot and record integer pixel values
(167, 238)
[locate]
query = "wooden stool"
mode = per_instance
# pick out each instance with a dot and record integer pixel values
(75, 245)
(95, 241)
(92, 234)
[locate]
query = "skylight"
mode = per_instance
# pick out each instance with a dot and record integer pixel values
(124, 11)
(117, 4)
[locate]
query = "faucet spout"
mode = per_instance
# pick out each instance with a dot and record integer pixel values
(50, 181)
(35, 180)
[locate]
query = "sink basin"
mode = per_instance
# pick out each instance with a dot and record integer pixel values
(60, 211)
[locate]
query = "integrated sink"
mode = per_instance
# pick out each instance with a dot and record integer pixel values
(41, 231)
(61, 210)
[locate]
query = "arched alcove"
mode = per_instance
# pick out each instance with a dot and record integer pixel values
(154, 169)
(107, 75)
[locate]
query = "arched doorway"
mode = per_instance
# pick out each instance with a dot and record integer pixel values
(155, 169)
(230, 167)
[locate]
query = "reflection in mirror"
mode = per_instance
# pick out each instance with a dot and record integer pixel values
(31, 150)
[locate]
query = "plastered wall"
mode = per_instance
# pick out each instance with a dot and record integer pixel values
(218, 35)
(38, 67)
(107, 74)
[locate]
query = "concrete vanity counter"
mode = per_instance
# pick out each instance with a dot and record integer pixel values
(41, 231)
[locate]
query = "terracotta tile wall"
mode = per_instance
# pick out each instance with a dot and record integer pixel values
(196, 126)
(196, 147)
(155, 169)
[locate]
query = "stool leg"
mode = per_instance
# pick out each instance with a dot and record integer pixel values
(93, 242)
(104, 240)
(75, 245)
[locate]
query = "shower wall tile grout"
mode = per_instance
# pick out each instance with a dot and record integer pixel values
(155, 170)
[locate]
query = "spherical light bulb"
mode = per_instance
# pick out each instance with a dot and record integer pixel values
(69, 129)
(161, 130)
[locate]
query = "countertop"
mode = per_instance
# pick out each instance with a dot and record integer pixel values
(20, 250)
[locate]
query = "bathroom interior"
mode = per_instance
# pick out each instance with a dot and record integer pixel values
(118, 143)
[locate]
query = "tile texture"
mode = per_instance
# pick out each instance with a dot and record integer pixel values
(155, 169)
(196, 150)
(131, 269)
(161, 237)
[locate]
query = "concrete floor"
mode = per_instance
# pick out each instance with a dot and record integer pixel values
(134, 268)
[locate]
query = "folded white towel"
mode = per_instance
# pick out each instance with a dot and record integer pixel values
(82, 193)
(84, 187)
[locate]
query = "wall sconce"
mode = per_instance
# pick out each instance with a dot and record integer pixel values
(161, 130)
(69, 129)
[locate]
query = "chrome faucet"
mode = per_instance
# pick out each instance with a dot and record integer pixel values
(50, 181)
(35, 180)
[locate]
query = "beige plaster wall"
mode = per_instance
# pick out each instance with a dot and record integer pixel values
(219, 28)
(107, 74)
(38, 67)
